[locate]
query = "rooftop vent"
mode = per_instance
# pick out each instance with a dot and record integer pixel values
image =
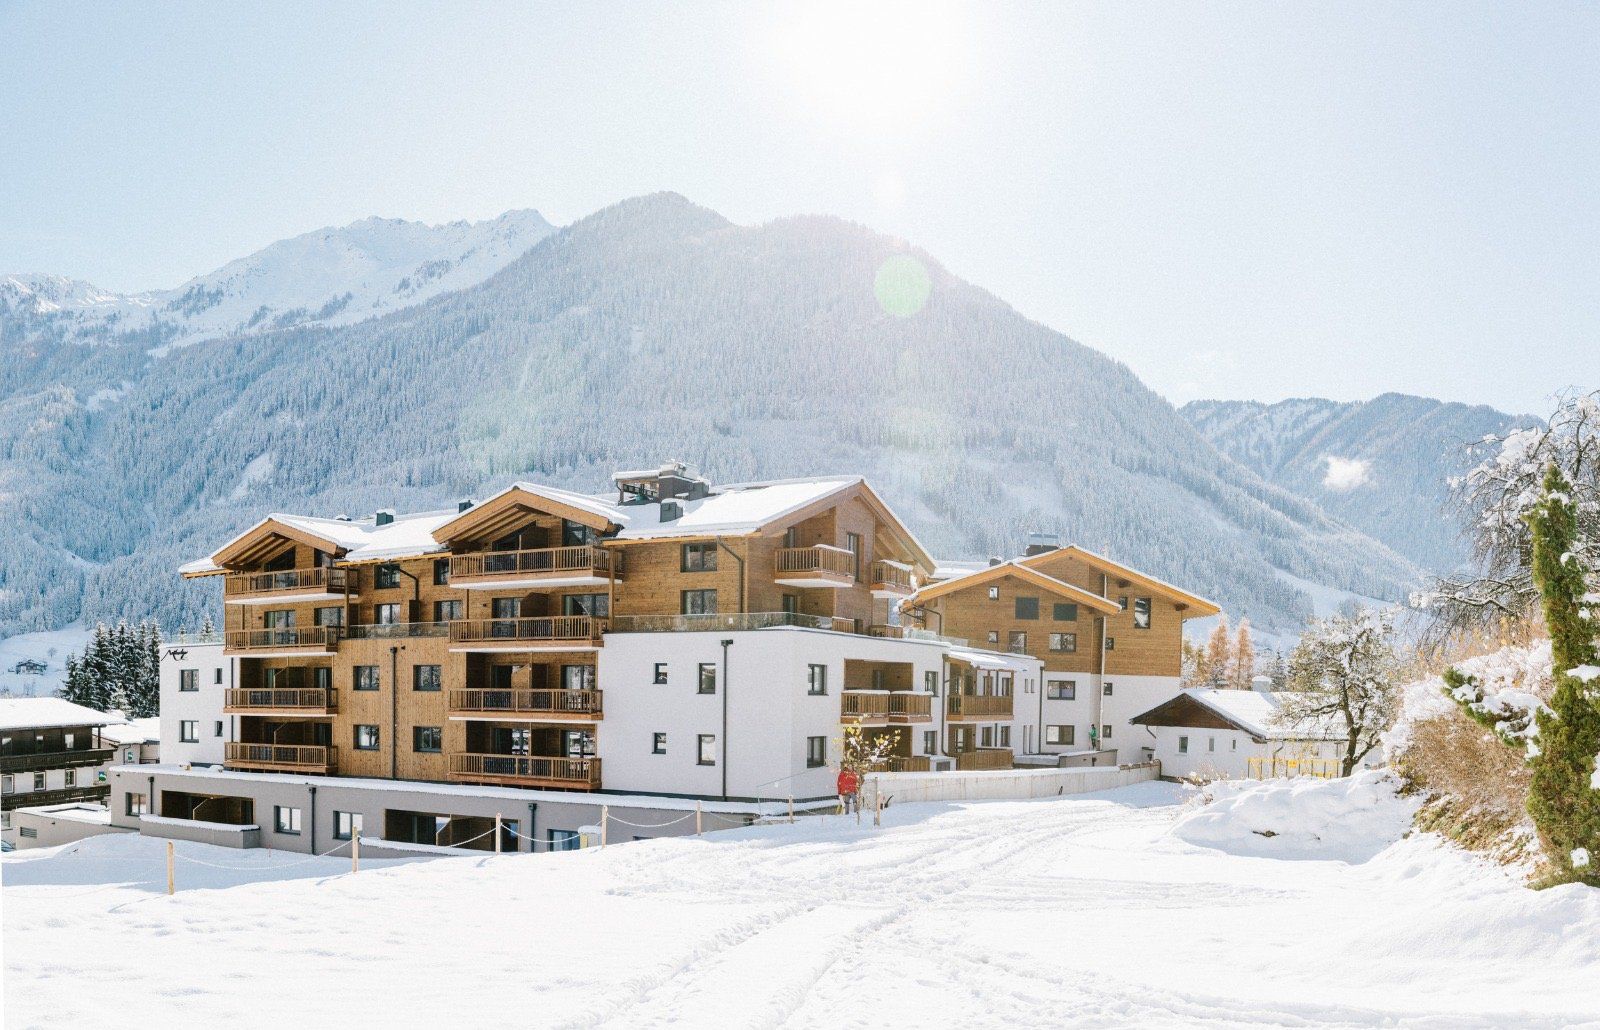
(383, 517)
(463, 504)
(994, 560)
(1261, 684)
(1039, 543)
(671, 511)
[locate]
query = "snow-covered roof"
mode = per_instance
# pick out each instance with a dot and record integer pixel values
(1254, 711)
(137, 731)
(18, 713)
(944, 570)
(365, 540)
(993, 659)
(739, 508)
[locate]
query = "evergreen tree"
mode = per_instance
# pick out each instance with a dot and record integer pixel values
(76, 686)
(1219, 651)
(1562, 798)
(1244, 657)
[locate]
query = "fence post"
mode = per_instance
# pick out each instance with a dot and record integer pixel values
(605, 814)
(171, 884)
(355, 851)
(497, 833)
(697, 818)
(877, 803)
(791, 808)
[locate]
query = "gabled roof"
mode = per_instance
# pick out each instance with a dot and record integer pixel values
(1030, 575)
(499, 512)
(350, 540)
(1197, 605)
(1253, 711)
(21, 713)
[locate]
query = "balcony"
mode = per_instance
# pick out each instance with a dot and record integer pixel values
(535, 705)
(886, 706)
(583, 566)
(983, 759)
(978, 707)
(715, 621)
(907, 763)
(397, 630)
(822, 565)
(56, 760)
(314, 584)
(280, 701)
(891, 579)
(526, 771)
(299, 758)
(281, 642)
(560, 633)
(58, 796)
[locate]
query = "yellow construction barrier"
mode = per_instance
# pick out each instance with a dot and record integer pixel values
(1276, 767)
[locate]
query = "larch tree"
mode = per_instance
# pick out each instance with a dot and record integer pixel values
(1244, 658)
(1219, 652)
(1344, 675)
(1562, 797)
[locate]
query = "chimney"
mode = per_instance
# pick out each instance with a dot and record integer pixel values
(993, 561)
(463, 504)
(1261, 684)
(383, 517)
(671, 511)
(1039, 543)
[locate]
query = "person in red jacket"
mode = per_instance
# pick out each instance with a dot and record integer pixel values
(849, 789)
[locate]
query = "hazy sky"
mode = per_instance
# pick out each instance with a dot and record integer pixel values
(1257, 200)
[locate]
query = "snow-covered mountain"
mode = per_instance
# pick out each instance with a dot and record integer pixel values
(328, 277)
(1382, 465)
(653, 329)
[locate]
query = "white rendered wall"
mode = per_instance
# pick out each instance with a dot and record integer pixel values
(203, 706)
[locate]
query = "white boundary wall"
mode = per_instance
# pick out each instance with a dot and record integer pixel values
(1004, 784)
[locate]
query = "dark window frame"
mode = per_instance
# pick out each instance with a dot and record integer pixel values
(816, 680)
(697, 557)
(419, 735)
(700, 749)
(701, 680)
(1025, 609)
(658, 743)
(816, 752)
(355, 737)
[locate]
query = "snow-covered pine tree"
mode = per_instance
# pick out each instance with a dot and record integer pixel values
(75, 687)
(1244, 658)
(1219, 652)
(96, 665)
(1562, 797)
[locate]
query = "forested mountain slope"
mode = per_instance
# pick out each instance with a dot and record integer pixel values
(1383, 465)
(653, 329)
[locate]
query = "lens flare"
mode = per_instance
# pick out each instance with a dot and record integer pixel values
(902, 286)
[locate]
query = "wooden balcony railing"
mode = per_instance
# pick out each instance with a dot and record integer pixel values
(584, 704)
(397, 630)
(318, 579)
(984, 758)
(891, 577)
(56, 759)
(906, 763)
(561, 630)
(726, 621)
(891, 632)
(281, 757)
(546, 562)
(57, 796)
(285, 700)
(527, 770)
(323, 637)
(891, 706)
(819, 562)
(979, 706)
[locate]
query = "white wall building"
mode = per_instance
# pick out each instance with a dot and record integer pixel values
(194, 681)
(1215, 734)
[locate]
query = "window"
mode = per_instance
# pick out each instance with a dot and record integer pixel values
(708, 749)
(699, 557)
(1060, 735)
(8, 784)
(1027, 607)
(503, 608)
(1064, 642)
(994, 636)
(816, 679)
(791, 603)
(1005, 736)
(217, 676)
(38, 778)
(994, 593)
(595, 605)
(346, 825)
(1105, 732)
(287, 820)
(1111, 643)
(930, 741)
(366, 738)
(1063, 690)
(1183, 745)
(1017, 641)
(658, 743)
(5, 820)
(1066, 613)
(708, 678)
(441, 572)
(331, 616)
(1123, 601)
(816, 752)
(1141, 613)
(427, 740)
(577, 677)
(218, 732)
(986, 737)
(699, 602)
(189, 731)
(1211, 744)
(1233, 745)
(561, 840)
(575, 534)
(364, 677)
(446, 611)
(136, 804)
(70, 778)
(426, 677)
(879, 679)
(661, 672)
(278, 619)
(1108, 689)
(852, 543)
(930, 682)
(386, 614)
(188, 679)
(386, 577)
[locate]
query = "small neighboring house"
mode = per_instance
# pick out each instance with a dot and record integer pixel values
(1234, 734)
(50, 754)
(136, 742)
(30, 667)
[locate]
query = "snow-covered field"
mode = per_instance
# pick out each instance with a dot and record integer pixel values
(1092, 911)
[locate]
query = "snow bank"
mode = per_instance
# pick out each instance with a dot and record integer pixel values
(1345, 820)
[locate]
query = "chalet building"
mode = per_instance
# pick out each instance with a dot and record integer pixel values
(1216, 734)
(51, 753)
(1108, 637)
(669, 640)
